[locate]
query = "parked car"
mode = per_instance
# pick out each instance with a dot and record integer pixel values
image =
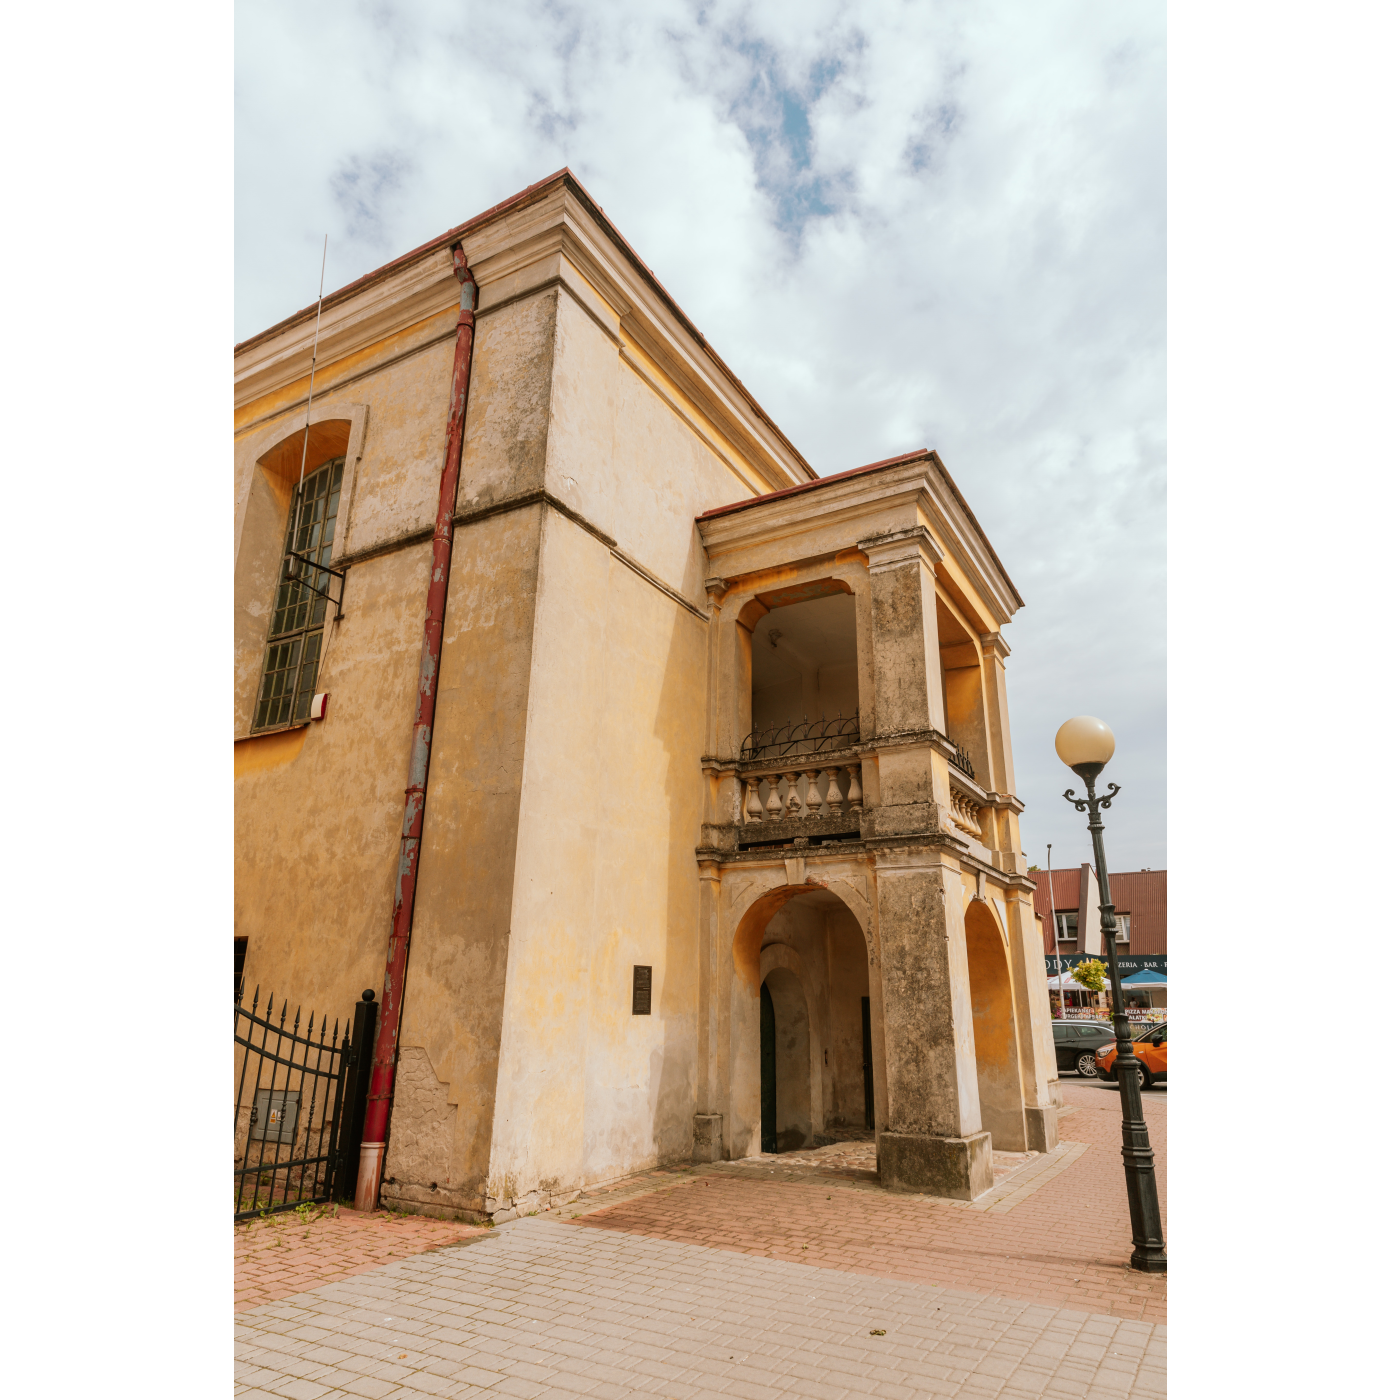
(1150, 1048)
(1076, 1042)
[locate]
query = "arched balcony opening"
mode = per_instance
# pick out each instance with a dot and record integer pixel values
(804, 706)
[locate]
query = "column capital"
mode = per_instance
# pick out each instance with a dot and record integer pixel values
(995, 642)
(897, 547)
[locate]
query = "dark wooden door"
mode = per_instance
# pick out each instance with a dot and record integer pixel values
(768, 1071)
(868, 1062)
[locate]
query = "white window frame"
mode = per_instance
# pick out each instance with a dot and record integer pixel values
(1123, 924)
(1062, 932)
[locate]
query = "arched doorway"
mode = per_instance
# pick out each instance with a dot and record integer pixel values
(800, 1052)
(994, 1031)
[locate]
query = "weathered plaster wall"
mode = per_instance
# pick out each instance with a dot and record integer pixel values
(508, 403)
(317, 811)
(848, 981)
(994, 1030)
(462, 918)
(604, 879)
(396, 483)
(793, 1037)
(625, 457)
(391, 489)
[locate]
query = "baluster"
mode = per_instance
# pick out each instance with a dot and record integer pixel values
(753, 809)
(774, 804)
(833, 792)
(794, 800)
(813, 798)
(853, 796)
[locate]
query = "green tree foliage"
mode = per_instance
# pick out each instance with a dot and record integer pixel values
(1092, 974)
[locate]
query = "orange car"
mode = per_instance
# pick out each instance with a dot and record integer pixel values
(1150, 1047)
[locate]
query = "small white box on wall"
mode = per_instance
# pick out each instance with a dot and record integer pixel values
(319, 703)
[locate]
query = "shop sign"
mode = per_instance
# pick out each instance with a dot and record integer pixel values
(1127, 962)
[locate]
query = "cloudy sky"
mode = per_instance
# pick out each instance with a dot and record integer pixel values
(902, 225)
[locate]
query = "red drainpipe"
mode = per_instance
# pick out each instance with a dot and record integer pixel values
(381, 1085)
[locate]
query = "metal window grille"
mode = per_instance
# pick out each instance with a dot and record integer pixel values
(299, 611)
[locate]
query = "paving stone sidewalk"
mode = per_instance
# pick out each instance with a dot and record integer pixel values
(544, 1310)
(287, 1253)
(1054, 1230)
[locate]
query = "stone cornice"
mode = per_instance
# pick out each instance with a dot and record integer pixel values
(510, 248)
(870, 507)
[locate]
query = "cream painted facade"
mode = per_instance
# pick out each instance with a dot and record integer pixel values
(630, 531)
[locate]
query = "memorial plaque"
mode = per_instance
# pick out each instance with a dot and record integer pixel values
(641, 991)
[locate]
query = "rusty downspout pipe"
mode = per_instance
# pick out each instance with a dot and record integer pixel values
(381, 1087)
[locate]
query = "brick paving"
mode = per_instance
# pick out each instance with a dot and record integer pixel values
(790, 1276)
(543, 1310)
(1063, 1240)
(285, 1254)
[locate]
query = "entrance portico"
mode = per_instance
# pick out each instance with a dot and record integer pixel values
(865, 865)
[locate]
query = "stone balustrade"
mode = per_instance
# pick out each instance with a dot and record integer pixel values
(788, 791)
(965, 814)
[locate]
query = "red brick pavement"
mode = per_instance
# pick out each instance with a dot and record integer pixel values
(1067, 1244)
(283, 1254)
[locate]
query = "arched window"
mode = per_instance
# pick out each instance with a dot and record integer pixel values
(293, 654)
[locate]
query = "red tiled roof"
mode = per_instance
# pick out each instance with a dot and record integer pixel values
(1141, 893)
(1066, 886)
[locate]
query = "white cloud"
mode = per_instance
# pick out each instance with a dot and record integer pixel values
(901, 224)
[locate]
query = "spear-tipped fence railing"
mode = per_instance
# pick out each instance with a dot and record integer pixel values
(298, 1102)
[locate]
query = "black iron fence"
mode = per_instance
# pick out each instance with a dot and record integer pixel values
(299, 1104)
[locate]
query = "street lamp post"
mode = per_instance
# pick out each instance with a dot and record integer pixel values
(1085, 745)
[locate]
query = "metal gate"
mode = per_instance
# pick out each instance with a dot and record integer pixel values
(299, 1106)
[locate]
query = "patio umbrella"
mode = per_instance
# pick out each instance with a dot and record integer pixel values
(1148, 977)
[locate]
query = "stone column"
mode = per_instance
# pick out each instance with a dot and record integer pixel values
(908, 687)
(904, 630)
(934, 1140)
(1001, 775)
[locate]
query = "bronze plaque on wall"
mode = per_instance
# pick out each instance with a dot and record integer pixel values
(641, 991)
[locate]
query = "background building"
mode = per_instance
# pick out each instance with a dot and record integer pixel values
(1067, 911)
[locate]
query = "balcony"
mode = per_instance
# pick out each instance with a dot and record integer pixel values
(800, 780)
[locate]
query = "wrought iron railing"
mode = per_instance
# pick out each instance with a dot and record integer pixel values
(299, 1094)
(792, 740)
(962, 760)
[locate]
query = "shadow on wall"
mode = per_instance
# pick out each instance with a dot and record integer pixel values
(679, 725)
(790, 1083)
(994, 1030)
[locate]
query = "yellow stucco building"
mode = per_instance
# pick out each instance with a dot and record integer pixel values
(719, 842)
